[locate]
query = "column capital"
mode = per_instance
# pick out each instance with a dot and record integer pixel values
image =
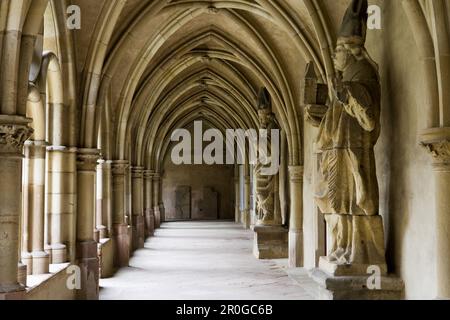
(119, 167)
(437, 143)
(148, 174)
(137, 172)
(156, 176)
(296, 173)
(14, 131)
(104, 164)
(62, 149)
(87, 159)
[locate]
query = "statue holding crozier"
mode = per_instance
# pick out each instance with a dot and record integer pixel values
(346, 188)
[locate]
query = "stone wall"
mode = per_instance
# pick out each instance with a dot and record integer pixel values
(403, 167)
(199, 177)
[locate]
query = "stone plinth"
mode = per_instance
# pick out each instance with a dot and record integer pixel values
(121, 245)
(138, 232)
(89, 264)
(12, 293)
(357, 287)
(270, 242)
(339, 270)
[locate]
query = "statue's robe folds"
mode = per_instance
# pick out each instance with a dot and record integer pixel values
(346, 181)
(266, 186)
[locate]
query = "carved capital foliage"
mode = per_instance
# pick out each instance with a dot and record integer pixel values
(437, 142)
(87, 159)
(119, 167)
(13, 137)
(440, 151)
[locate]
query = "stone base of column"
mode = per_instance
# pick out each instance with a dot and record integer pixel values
(149, 223)
(357, 287)
(295, 249)
(121, 245)
(245, 219)
(41, 262)
(130, 239)
(102, 232)
(138, 232)
(270, 242)
(162, 213)
(59, 253)
(27, 260)
(237, 215)
(12, 292)
(106, 258)
(22, 274)
(89, 265)
(157, 214)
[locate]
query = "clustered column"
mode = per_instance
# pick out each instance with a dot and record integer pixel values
(148, 207)
(86, 245)
(14, 131)
(296, 217)
(120, 227)
(33, 223)
(128, 207)
(237, 200)
(61, 197)
(246, 209)
(137, 196)
(437, 141)
(103, 209)
(156, 207)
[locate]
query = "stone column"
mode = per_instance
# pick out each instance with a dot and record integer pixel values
(128, 207)
(156, 208)
(33, 254)
(86, 245)
(296, 217)
(437, 141)
(162, 209)
(119, 225)
(103, 211)
(237, 198)
(148, 207)
(61, 204)
(137, 191)
(245, 214)
(14, 131)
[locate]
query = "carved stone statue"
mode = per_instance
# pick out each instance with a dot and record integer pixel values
(267, 197)
(349, 127)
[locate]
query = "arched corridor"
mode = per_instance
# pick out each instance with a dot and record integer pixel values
(201, 261)
(224, 146)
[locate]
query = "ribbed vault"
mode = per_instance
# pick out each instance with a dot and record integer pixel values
(164, 61)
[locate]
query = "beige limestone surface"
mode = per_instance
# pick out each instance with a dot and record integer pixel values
(201, 260)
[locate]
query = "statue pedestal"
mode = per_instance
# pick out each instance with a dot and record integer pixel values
(270, 242)
(339, 270)
(366, 276)
(12, 292)
(364, 287)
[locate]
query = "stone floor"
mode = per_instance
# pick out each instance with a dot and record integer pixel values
(201, 260)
